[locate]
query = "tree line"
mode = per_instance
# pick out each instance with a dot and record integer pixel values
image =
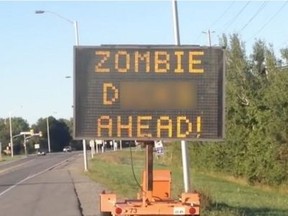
(256, 109)
(256, 142)
(60, 133)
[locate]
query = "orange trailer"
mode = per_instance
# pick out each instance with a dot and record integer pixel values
(154, 197)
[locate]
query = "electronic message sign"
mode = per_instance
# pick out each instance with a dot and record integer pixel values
(149, 92)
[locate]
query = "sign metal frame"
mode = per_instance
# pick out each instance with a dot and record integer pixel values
(184, 84)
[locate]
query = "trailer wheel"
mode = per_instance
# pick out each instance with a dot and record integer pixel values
(105, 214)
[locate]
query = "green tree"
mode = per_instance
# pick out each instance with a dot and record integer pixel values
(284, 54)
(18, 125)
(256, 145)
(75, 144)
(58, 130)
(4, 133)
(230, 154)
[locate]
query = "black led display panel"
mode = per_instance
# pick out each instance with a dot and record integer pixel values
(149, 92)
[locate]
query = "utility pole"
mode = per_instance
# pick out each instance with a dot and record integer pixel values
(0, 151)
(184, 148)
(209, 36)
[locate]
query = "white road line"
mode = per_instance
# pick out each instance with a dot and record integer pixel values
(12, 167)
(29, 177)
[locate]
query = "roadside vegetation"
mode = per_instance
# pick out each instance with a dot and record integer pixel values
(256, 142)
(247, 172)
(220, 194)
(60, 135)
(6, 158)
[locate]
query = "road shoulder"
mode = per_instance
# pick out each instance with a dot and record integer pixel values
(87, 190)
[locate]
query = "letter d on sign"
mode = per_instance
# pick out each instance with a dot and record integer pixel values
(110, 93)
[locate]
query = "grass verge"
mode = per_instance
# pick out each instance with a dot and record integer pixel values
(221, 196)
(9, 158)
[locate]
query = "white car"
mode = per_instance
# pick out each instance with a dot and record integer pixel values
(67, 149)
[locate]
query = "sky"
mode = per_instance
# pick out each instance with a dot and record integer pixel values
(37, 49)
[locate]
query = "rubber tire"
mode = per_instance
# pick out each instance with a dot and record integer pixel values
(105, 214)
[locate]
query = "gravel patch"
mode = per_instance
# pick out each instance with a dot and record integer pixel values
(87, 190)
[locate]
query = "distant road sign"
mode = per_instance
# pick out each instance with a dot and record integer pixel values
(149, 92)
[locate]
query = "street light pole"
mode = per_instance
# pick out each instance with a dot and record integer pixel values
(11, 135)
(48, 135)
(76, 32)
(11, 131)
(74, 23)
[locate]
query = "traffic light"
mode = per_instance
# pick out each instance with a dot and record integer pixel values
(40, 133)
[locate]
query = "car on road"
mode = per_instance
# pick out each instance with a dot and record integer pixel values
(41, 152)
(67, 149)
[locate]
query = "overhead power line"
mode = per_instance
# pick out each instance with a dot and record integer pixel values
(222, 15)
(271, 18)
(219, 18)
(236, 16)
(262, 6)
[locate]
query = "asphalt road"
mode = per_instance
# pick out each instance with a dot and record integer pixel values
(39, 185)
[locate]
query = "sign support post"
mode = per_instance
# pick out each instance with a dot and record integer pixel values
(184, 150)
